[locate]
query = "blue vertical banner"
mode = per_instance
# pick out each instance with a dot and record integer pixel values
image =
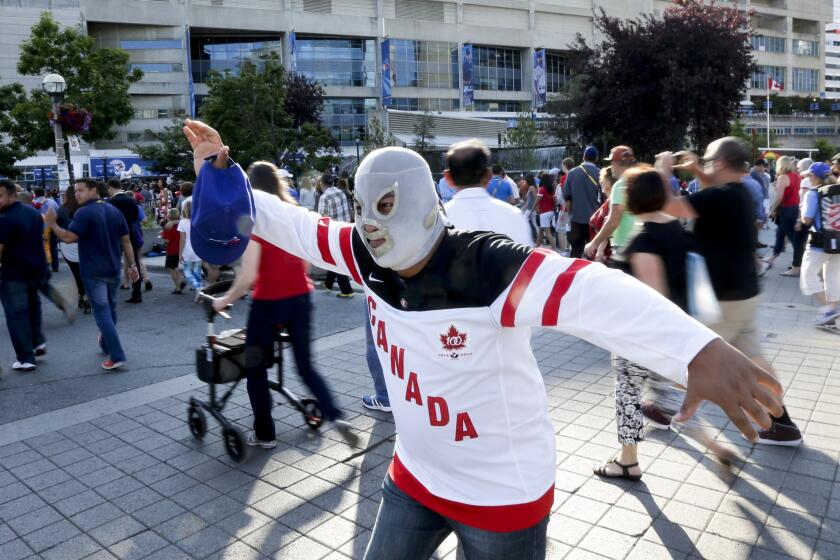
(191, 88)
(386, 72)
(466, 73)
(539, 90)
(293, 52)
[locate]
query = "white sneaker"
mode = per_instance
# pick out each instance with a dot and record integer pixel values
(252, 441)
(41, 349)
(828, 317)
(25, 366)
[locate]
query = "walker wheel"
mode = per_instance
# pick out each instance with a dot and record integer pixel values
(234, 444)
(312, 414)
(196, 421)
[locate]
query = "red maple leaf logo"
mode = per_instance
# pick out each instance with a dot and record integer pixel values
(453, 339)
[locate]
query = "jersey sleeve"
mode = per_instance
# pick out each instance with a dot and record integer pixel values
(604, 307)
(314, 238)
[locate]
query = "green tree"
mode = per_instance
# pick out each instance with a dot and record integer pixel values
(11, 150)
(97, 80)
(825, 150)
(755, 140)
(654, 81)
(424, 134)
(521, 141)
(171, 152)
(376, 136)
(250, 112)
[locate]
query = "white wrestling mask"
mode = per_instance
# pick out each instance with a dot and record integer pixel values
(406, 231)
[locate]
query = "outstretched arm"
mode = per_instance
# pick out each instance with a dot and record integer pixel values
(314, 238)
(617, 312)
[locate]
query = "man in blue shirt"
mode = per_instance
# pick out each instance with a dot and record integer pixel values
(23, 271)
(101, 232)
(499, 188)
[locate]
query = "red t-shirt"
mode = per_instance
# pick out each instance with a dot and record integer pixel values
(546, 202)
(281, 275)
(791, 195)
(173, 239)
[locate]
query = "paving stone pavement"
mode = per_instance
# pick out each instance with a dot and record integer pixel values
(135, 484)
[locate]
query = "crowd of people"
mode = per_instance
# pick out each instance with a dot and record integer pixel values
(472, 261)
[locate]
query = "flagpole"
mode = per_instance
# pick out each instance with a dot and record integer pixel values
(768, 119)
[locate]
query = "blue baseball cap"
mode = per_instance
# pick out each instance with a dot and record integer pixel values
(591, 153)
(819, 169)
(222, 214)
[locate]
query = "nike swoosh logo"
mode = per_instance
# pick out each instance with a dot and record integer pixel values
(372, 279)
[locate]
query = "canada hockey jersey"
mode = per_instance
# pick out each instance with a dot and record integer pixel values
(474, 439)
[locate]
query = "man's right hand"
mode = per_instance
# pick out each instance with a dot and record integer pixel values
(590, 249)
(205, 142)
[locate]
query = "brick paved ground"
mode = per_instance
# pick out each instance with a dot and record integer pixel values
(134, 484)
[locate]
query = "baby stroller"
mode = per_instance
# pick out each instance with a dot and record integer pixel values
(221, 360)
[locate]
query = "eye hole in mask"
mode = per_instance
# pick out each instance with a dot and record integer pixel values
(386, 206)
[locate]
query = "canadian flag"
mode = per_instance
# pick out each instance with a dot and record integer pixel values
(773, 85)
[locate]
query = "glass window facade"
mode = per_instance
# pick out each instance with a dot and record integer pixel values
(346, 118)
(225, 54)
(557, 72)
(153, 113)
(424, 104)
(501, 105)
(805, 48)
(762, 73)
(426, 64)
(337, 62)
(805, 79)
(151, 44)
(497, 69)
(156, 67)
(768, 44)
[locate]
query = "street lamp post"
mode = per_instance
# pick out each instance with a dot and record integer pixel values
(55, 86)
(358, 143)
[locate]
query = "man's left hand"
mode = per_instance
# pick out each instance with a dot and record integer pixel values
(723, 375)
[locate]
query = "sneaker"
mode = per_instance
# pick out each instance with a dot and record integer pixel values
(371, 402)
(825, 318)
(345, 296)
(110, 364)
(148, 285)
(134, 300)
(41, 349)
(655, 416)
(781, 434)
(324, 286)
(344, 429)
(252, 441)
(25, 366)
(762, 268)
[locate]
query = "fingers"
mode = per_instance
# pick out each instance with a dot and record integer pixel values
(222, 158)
(191, 137)
(689, 407)
(741, 421)
(769, 381)
(757, 412)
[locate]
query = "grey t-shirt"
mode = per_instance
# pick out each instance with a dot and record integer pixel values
(584, 192)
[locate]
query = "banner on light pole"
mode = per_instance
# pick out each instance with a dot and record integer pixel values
(539, 79)
(466, 73)
(386, 72)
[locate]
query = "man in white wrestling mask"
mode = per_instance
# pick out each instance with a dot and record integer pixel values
(451, 315)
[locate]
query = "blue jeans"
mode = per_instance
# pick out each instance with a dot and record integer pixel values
(264, 319)
(22, 306)
(192, 274)
(407, 530)
(374, 364)
(102, 294)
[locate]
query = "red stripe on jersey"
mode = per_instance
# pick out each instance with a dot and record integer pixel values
(347, 252)
(501, 519)
(564, 281)
(324, 240)
(520, 283)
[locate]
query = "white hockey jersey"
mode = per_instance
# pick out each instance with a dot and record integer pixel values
(475, 441)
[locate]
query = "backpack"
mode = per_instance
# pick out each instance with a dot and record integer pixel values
(828, 235)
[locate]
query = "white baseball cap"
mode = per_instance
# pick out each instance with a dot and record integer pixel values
(285, 174)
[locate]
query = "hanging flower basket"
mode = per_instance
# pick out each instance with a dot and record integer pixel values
(73, 119)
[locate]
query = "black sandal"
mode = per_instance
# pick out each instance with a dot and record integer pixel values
(625, 471)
